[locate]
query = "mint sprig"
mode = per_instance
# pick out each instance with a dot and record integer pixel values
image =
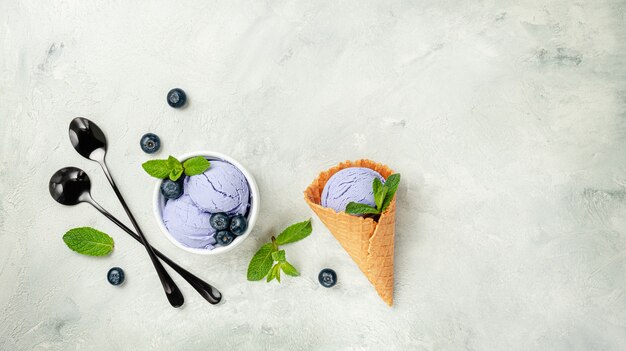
(361, 209)
(383, 194)
(294, 232)
(262, 263)
(391, 184)
(289, 269)
(279, 256)
(157, 168)
(176, 168)
(173, 169)
(274, 273)
(196, 165)
(88, 241)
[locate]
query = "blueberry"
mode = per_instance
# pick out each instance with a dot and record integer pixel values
(219, 221)
(172, 189)
(327, 277)
(224, 237)
(176, 98)
(115, 276)
(238, 225)
(150, 143)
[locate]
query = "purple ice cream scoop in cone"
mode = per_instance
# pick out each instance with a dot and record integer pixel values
(352, 184)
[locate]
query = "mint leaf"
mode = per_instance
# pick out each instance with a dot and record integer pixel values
(172, 162)
(279, 256)
(383, 194)
(391, 185)
(380, 197)
(270, 276)
(377, 186)
(357, 209)
(274, 273)
(175, 174)
(289, 269)
(261, 263)
(162, 169)
(88, 241)
(176, 168)
(157, 168)
(277, 271)
(196, 165)
(295, 232)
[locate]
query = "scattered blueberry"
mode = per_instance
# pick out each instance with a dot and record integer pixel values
(172, 189)
(238, 225)
(219, 221)
(115, 276)
(224, 237)
(176, 98)
(150, 143)
(327, 277)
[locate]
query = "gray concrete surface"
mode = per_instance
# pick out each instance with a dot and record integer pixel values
(506, 119)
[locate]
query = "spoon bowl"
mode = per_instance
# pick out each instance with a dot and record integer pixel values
(87, 138)
(70, 186)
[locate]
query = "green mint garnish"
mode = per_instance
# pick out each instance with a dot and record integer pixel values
(196, 165)
(279, 256)
(357, 208)
(175, 174)
(88, 241)
(261, 262)
(274, 273)
(173, 169)
(157, 168)
(294, 233)
(270, 260)
(383, 194)
(379, 192)
(392, 185)
(176, 168)
(289, 269)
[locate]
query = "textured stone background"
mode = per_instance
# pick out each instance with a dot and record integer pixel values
(507, 120)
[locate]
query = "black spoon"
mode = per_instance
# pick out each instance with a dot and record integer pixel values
(89, 140)
(71, 186)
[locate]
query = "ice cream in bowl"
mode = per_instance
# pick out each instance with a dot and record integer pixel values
(211, 212)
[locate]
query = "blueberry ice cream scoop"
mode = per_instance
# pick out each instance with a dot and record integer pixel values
(352, 184)
(188, 224)
(221, 188)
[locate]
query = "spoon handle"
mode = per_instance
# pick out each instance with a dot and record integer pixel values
(206, 290)
(173, 293)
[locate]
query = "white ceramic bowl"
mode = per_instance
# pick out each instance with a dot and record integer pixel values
(159, 202)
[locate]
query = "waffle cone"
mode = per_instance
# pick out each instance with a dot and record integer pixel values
(369, 243)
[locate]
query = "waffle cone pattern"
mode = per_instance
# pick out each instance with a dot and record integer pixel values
(370, 244)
